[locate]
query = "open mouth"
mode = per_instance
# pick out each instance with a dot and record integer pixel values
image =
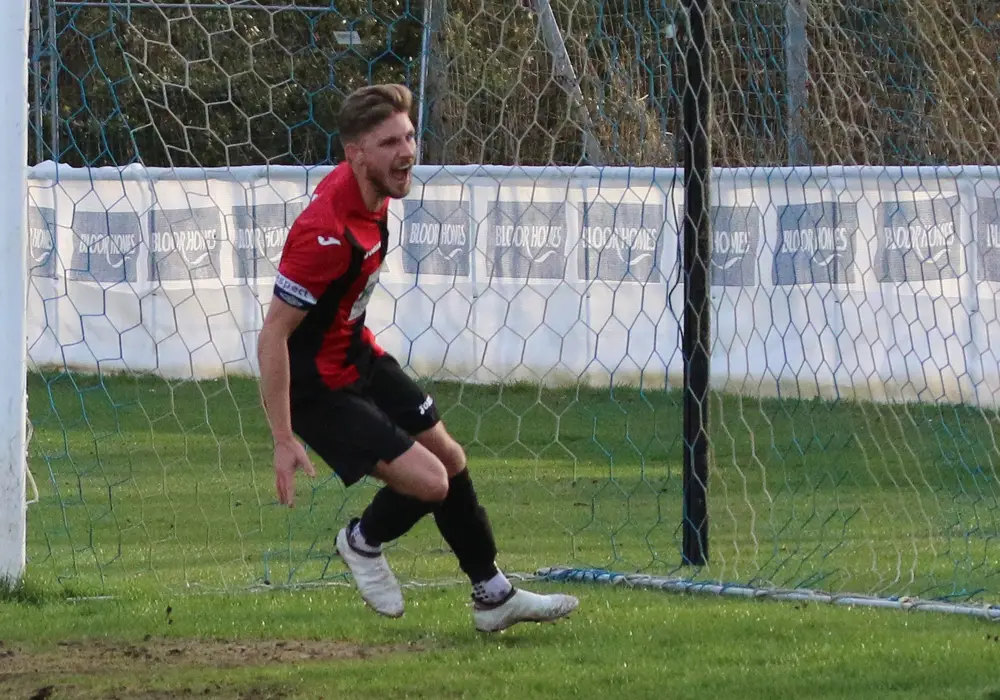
(401, 175)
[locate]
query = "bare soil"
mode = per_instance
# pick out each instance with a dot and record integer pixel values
(54, 673)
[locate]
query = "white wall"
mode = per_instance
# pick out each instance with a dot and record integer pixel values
(870, 282)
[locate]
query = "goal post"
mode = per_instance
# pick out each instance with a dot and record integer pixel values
(14, 26)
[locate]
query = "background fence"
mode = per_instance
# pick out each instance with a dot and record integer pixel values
(873, 82)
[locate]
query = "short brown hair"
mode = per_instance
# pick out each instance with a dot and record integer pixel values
(367, 107)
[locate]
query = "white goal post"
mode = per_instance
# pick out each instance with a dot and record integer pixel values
(13, 285)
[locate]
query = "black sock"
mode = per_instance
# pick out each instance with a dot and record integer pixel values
(466, 528)
(391, 515)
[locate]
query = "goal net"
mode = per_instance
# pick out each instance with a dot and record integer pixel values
(535, 285)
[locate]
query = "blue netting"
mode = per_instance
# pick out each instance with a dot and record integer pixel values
(859, 456)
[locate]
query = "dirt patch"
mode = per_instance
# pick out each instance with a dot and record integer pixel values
(98, 656)
(213, 691)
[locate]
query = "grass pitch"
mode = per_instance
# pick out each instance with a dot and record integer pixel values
(156, 505)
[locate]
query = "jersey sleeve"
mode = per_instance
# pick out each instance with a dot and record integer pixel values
(313, 258)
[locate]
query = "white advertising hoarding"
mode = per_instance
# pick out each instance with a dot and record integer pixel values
(838, 282)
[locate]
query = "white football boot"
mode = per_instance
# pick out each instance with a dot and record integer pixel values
(372, 575)
(522, 606)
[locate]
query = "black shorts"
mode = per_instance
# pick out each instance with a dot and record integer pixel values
(376, 418)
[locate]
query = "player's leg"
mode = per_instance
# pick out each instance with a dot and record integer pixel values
(462, 521)
(355, 438)
(464, 524)
(415, 482)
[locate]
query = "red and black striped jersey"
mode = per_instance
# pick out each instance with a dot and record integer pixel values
(330, 267)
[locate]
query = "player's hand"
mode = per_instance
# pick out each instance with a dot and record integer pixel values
(289, 456)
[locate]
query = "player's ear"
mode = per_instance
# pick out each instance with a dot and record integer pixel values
(352, 149)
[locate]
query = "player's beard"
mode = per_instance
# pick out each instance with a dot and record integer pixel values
(394, 183)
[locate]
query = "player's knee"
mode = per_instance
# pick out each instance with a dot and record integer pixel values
(418, 473)
(433, 476)
(445, 448)
(433, 486)
(453, 457)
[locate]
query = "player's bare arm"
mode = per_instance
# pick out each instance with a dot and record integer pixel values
(313, 257)
(272, 352)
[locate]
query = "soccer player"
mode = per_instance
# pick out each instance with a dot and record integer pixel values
(325, 379)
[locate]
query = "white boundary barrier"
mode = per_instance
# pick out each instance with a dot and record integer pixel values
(852, 282)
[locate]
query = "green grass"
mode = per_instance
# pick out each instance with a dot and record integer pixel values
(149, 483)
(153, 492)
(620, 643)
